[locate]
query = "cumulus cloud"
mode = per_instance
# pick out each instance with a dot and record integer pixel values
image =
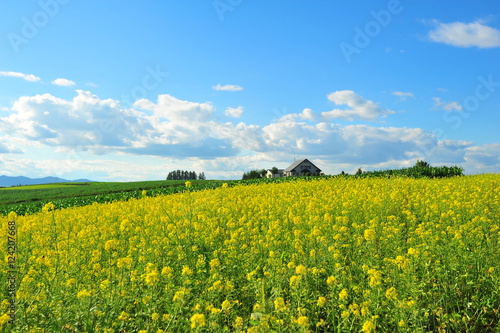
(227, 87)
(357, 107)
(403, 95)
(485, 157)
(81, 123)
(190, 131)
(447, 106)
(182, 129)
(63, 82)
(461, 34)
(234, 112)
(306, 114)
(8, 149)
(27, 77)
(177, 128)
(448, 152)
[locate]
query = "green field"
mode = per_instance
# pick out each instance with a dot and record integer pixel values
(44, 186)
(31, 198)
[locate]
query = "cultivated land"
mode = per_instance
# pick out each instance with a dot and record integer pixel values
(42, 186)
(310, 255)
(31, 198)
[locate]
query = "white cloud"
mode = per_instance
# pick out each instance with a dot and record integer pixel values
(144, 104)
(483, 159)
(110, 168)
(174, 109)
(228, 87)
(27, 77)
(306, 114)
(86, 129)
(447, 106)
(63, 82)
(465, 34)
(403, 95)
(82, 123)
(8, 149)
(234, 112)
(357, 107)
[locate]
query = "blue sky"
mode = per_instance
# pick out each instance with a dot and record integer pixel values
(129, 90)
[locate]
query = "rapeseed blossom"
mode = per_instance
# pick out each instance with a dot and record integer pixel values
(279, 304)
(300, 269)
(391, 293)
(368, 327)
(198, 320)
(321, 301)
(364, 254)
(83, 293)
(123, 316)
(4, 319)
(343, 294)
(303, 321)
(369, 234)
(151, 278)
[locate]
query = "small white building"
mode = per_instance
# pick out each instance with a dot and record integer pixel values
(270, 174)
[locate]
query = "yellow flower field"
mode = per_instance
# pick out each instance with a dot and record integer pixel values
(328, 255)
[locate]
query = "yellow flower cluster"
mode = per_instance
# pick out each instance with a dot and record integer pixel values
(329, 254)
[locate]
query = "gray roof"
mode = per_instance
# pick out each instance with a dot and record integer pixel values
(297, 163)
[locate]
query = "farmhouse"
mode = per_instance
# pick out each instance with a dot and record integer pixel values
(301, 168)
(298, 168)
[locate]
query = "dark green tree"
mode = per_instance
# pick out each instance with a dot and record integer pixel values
(422, 164)
(253, 174)
(182, 175)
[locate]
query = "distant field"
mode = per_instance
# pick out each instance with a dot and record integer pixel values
(44, 186)
(31, 198)
(63, 190)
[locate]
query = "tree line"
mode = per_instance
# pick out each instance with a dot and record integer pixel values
(255, 174)
(185, 175)
(421, 169)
